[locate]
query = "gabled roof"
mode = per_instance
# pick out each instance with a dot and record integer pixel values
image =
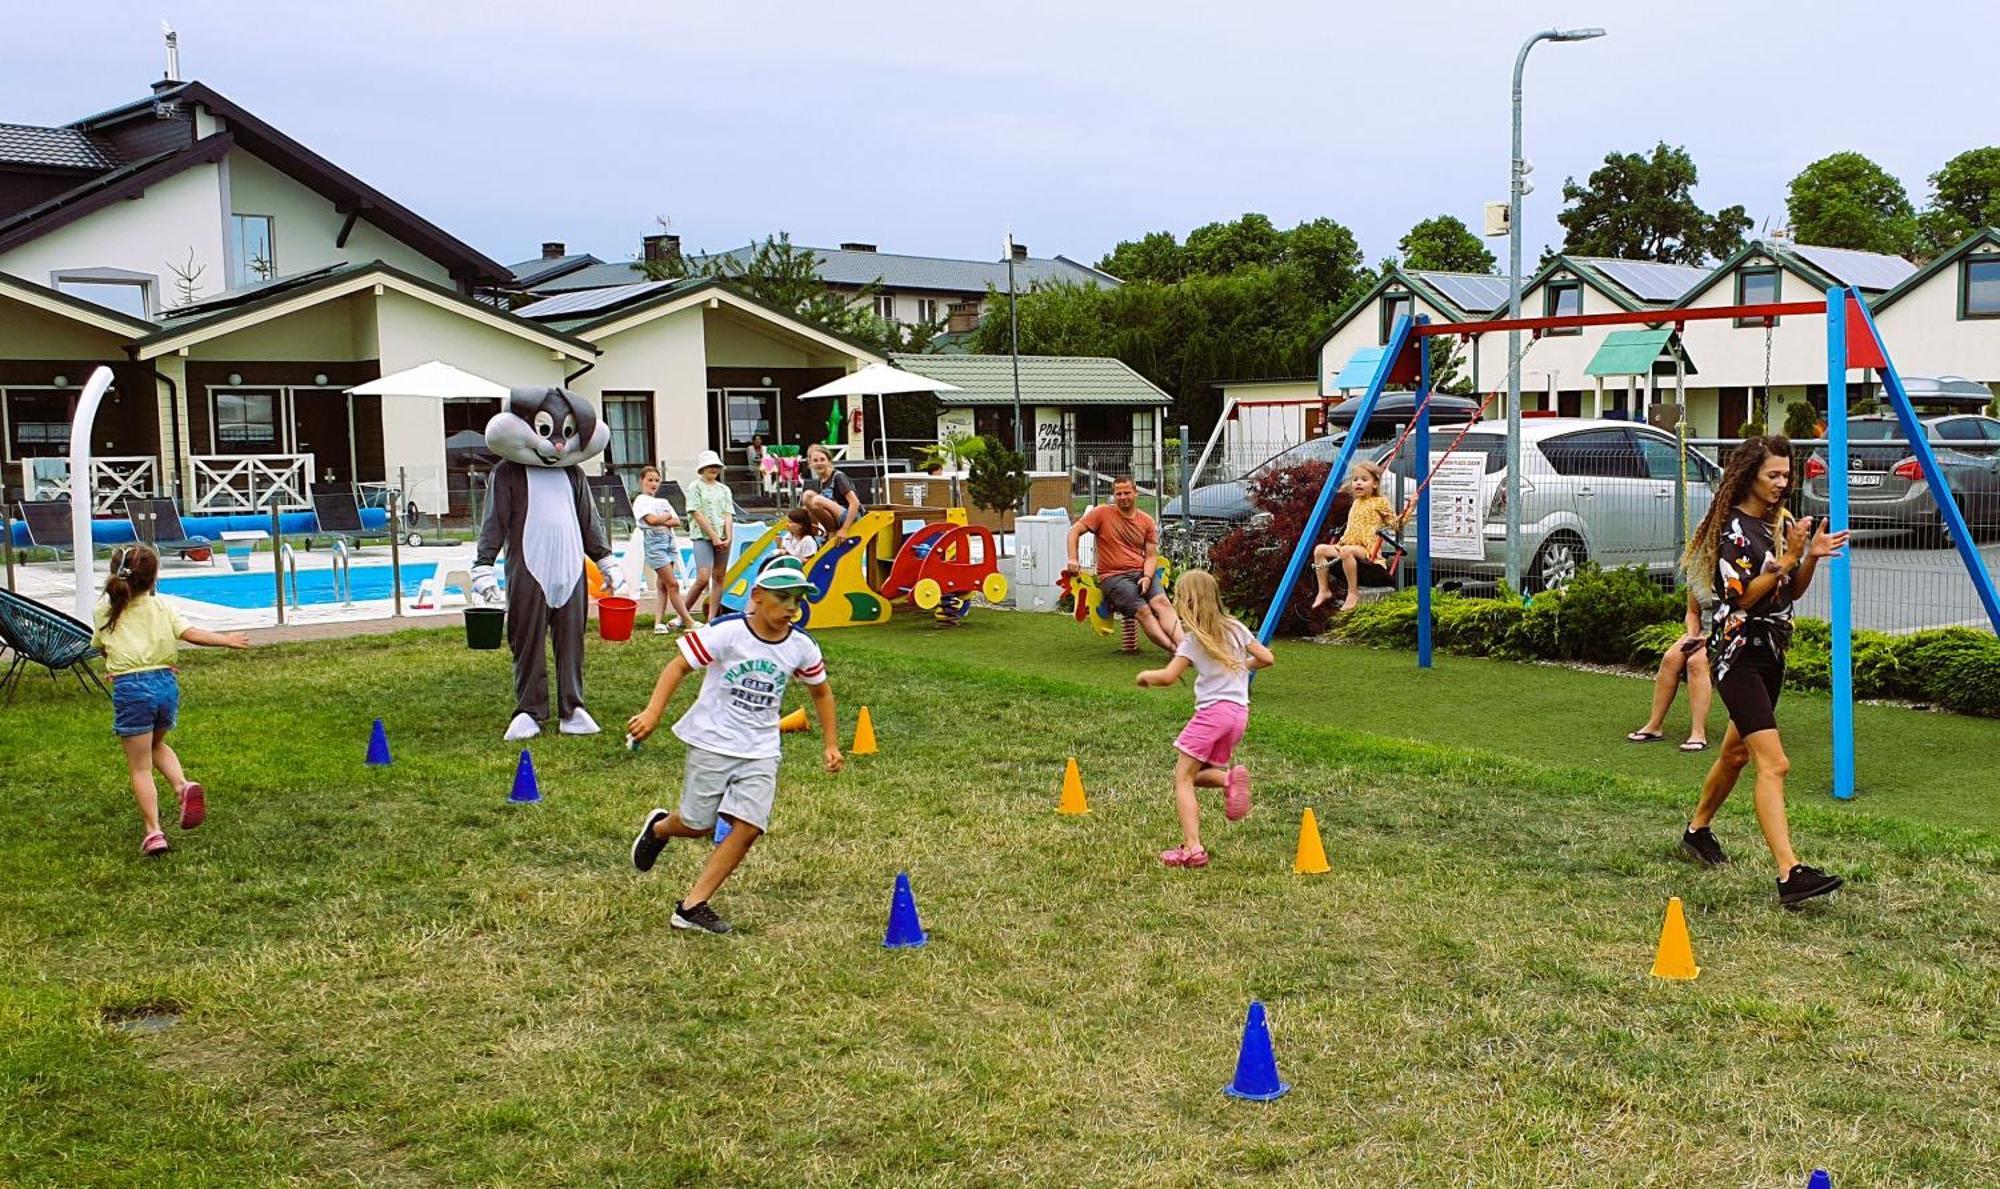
(349, 194)
(637, 304)
(529, 273)
(88, 312)
(1616, 294)
(56, 148)
(1442, 291)
(1045, 380)
(1820, 268)
(273, 299)
(946, 274)
(1633, 352)
(1985, 237)
(1646, 282)
(594, 274)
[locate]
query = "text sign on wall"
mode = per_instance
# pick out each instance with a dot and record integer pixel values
(1457, 521)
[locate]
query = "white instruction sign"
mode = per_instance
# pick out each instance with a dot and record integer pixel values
(1457, 521)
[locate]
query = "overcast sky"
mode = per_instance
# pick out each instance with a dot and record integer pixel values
(934, 128)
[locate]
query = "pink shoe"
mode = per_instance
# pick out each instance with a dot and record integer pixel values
(1181, 856)
(155, 844)
(194, 807)
(1236, 794)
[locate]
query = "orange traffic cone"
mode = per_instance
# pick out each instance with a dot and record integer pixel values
(864, 735)
(1072, 791)
(795, 721)
(1311, 858)
(1675, 958)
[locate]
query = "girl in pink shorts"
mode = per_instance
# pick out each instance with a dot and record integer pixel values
(1223, 653)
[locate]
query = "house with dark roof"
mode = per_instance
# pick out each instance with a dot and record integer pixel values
(1082, 411)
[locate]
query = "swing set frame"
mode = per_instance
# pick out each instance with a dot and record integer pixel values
(1852, 342)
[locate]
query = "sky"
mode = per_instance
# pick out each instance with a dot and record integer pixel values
(936, 128)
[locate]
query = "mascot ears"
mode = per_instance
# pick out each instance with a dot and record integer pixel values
(546, 427)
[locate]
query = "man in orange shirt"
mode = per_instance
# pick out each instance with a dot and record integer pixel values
(1127, 540)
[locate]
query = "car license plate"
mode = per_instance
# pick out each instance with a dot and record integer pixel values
(1864, 479)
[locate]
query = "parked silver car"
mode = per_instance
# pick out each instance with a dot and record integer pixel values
(1591, 490)
(1887, 490)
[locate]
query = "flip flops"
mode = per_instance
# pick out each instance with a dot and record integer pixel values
(1644, 737)
(1694, 745)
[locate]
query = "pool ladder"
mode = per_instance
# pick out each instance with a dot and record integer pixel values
(343, 577)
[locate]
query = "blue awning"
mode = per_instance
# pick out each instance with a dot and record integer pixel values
(1360, 370)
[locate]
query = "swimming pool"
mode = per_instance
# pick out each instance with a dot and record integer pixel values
(251, 591)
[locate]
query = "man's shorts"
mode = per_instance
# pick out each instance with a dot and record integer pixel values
(144, 703)
(735, 787)
(1125, 596)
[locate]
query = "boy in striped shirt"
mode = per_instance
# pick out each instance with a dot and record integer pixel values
(731, 731)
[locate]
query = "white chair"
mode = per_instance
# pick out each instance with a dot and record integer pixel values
(454, 568)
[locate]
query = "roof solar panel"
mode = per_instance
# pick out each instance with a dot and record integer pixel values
(1471, 293)
(1863, 270)
(1648, 280)
(590, 301)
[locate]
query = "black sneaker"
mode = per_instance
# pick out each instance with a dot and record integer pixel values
(1703, 846)
(1803, 884)
(699, 916)
(646, 848)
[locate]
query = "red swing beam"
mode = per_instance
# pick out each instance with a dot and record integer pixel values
(1765, 310)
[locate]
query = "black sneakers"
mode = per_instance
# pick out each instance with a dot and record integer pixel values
(1803, 883)
(646, 848)
(1702, 845)
(699, 916)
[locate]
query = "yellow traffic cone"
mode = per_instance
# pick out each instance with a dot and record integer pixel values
(864, 735)
(1675, 958)
(1072, 790)
(795, 721)
(1311, 859)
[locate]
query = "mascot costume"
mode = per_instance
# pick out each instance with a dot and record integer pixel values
(540, 511)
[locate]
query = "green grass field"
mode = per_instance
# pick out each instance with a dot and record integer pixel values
(392, 976)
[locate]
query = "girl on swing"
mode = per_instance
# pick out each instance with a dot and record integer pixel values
(1368, 511)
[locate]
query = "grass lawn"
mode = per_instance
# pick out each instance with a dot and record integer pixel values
(392, 976)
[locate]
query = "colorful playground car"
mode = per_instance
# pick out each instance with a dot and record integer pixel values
(941, 564)
(1088, 598)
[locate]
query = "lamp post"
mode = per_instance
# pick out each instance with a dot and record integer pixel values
(1517, 178)
(1014, 340)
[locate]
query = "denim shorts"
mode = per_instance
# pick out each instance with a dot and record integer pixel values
(660, 550)
(145, 702)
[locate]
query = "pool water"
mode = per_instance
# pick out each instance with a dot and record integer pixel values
(315, 586)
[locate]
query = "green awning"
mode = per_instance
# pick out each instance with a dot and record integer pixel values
(1634, 352)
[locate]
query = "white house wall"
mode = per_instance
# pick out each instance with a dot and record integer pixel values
(30, 333)
(1550, 363)
(1362, 330)
(321, 333)
(177, 217)
(1925, 336)
(667, 357)
(305, 224)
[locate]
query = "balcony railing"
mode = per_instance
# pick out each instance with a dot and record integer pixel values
(112, 480)
(228, 483)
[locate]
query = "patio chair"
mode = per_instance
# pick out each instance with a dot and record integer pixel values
(613, 505)
(46, 637)
(454, 568)
(337, 515)
(47, 525)
(158, 523)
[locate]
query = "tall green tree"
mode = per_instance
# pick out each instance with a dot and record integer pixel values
(1443, 243)
(1155, 257)
(1847, 201)
(1965, 198)
(1642, 207)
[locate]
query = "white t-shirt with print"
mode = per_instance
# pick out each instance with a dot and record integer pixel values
(1212, 681)
(743, 687)
(644, 505)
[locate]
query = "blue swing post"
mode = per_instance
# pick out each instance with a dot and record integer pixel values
(1422, 435)
(1400, 333)
(1840, 569)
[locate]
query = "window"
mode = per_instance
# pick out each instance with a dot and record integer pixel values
(1659, 456)
(885, 307)
(1563, 299)
(246, 422)
(749, 414)
(1959, 429)
(38, 423)
(1979, 287)
(927, 310)
(1394, 306)
(256, 249)
(629, 417)
(1594, 454)
(129, 294)
(1756, 286)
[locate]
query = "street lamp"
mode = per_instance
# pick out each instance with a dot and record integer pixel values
(1516, 186)
(1014, 343)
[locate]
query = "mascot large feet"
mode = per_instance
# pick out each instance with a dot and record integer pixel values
(539, 511)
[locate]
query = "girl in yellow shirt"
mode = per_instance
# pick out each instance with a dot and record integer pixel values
(140, 635)
(1367, 512)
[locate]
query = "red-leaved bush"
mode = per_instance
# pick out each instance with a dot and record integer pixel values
(1249, 562)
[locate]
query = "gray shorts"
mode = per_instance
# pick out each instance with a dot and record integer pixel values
(737, 788)
(704, 554)
(1126, 595)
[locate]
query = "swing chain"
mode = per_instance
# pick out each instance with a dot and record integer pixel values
(1765, 418)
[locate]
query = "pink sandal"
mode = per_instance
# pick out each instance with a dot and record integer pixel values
(1236, 794)
(154, 845)
(194, 807)
(1181, 856)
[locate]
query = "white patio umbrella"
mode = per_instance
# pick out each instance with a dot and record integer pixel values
(436, 380)
(879, 380)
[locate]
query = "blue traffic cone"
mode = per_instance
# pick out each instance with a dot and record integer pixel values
(905, 931)
(378, 745)
(722, 828)
(525, 788)
(1256, 1064)
(1819, 1180)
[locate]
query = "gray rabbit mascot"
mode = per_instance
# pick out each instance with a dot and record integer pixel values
(539, 510)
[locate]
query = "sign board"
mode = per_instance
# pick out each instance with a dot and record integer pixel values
(1457, 519)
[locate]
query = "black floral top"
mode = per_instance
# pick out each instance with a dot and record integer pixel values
(1749, 547)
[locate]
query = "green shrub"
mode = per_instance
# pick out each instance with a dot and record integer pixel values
(998, 477)
(1474, 627)
(1650, 643)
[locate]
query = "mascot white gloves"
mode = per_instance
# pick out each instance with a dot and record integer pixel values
(540, 512)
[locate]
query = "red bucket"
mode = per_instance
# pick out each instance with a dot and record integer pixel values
(615, 616)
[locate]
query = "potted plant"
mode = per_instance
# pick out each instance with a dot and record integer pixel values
(955, 451)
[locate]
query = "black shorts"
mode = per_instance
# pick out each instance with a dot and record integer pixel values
(1126, 596)
(1750, 689)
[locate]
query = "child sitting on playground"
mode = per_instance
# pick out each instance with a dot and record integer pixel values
(1368, 512)
(1223, 653)
(139, 634)
(800, 540)
(731, 731)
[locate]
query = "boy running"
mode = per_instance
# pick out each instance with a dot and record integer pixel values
(731, 731)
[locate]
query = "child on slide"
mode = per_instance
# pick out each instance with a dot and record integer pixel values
(1222, 653)
(800, 540)
(1368, 511)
